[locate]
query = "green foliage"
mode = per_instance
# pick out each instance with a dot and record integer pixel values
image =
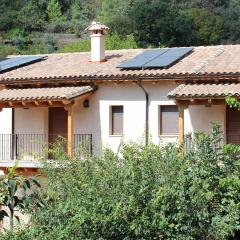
(142, 18)
(209, 26)
(15, 194)
(232, 22)
(33, 15)
(9, 10)
(116, 42)
(112, 42)
(6, 50)
(144, 192)
(54, 12)
(82, 45)
(152, 22)
(115, 14)
(233, 102)
(50, 42)
(83, 12)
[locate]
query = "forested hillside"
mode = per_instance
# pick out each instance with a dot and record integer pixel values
(30, 26)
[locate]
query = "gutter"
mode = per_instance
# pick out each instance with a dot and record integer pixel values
(146, 114)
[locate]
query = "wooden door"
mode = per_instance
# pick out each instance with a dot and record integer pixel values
(57, 123)
(233, 125)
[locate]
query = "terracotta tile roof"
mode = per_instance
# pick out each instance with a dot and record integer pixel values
(219, 90)
(57, 93)
(215, 60)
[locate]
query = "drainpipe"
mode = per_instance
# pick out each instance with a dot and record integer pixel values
(147, 113)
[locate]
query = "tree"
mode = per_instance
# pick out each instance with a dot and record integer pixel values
(9, 10)
(54, 12)
(160, 23)
(83, 12)
(232, 22)
(116, 15)
(209, 26)
(211, 5)
(33, 15)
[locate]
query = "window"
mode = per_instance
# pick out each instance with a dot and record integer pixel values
(168, 120)
(117, 120)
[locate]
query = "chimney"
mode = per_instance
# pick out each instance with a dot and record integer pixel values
(98, 32)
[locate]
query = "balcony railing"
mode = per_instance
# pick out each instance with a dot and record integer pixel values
(35, 146)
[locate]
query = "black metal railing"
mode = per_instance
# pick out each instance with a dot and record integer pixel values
(35, 146)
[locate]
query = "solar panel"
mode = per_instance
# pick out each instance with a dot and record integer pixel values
(15, 62)
(168, 58)
(157, 58)
(143, 58)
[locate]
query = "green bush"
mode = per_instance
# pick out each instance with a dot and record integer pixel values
(50, 42)
(112, 42)
(61, 27)
(144, 192)
(82, 45)
(116, 42)
(6, 50)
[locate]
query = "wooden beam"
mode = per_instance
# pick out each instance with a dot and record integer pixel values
(181, 124)
(67, 102)
(10, 104)
(199, 101)
(50, 103)
(36, 103)
(24, 104)
(70, 130)
(192, 100)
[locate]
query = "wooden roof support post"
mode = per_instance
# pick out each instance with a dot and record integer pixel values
(181, 108)
(70, 130)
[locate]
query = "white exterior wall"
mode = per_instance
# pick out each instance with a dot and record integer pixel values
(6, 129)
(200, 118)
(31, 121)
(6, 121)
(96, 119)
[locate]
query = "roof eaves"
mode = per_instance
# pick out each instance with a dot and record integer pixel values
(163, 76)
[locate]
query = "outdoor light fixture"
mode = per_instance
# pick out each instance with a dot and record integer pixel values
(86, 103)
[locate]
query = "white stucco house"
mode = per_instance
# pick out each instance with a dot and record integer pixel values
(89, 98)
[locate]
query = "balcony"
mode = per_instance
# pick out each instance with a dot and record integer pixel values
(28, 148)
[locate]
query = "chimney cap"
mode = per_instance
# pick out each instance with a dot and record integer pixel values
(97, 26)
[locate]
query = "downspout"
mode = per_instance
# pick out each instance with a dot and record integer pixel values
(147, 113)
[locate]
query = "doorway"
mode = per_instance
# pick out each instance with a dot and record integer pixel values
(57, 123)
(233, 125)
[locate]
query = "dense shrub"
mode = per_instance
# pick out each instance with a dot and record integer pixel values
(112, 42)
(144, 192)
